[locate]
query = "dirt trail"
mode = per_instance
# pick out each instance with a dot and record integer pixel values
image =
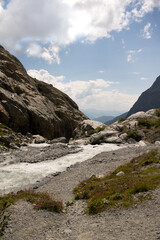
(141, 222)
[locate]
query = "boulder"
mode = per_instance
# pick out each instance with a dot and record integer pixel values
(88, 127)
(58, 140)
(38, 139)
(103, 136)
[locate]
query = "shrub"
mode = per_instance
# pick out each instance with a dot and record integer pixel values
(145, 122)
(157, 112)
(121, 119)
(96, 206)
(97, 130)
(133, 134)
(149, 123)
(143, 187)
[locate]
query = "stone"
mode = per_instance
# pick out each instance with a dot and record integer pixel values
(103, 136)
(121, 173)
(157, 142)
(38, 139)
(29, 105)
(4, 117)
(86, 127)
(114, 139)
(58, 140)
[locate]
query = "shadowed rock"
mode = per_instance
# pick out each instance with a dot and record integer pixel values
(29, 105)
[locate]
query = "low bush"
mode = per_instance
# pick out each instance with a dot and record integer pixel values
(97, 130)
(148, 123)
(157, 112)
(133, 134)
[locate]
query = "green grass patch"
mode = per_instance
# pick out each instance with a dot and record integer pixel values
(142, 122)
(140, 175)
(97, 130)
(40, 200)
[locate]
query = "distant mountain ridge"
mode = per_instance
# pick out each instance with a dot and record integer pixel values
(103, 119)
(150, 99)
(115, 119)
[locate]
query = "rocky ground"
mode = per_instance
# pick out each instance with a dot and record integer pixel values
(139, 222)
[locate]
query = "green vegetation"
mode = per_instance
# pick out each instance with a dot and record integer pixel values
(122, 119)
(139, 176)
(97, 130)
(133, 134)
(157, 112)
(40, 201)
(142, 122)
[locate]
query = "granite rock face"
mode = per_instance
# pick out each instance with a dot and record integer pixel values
(29, 105)
(150, 99)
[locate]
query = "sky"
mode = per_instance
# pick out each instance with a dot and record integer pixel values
(102, 53)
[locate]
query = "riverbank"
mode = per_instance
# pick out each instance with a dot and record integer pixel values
(139, 222)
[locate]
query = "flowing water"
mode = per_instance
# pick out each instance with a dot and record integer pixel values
(16, 176)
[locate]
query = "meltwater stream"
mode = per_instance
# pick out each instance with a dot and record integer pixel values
(16, 176)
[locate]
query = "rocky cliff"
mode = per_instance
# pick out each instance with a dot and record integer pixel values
(29, 105)
(148, 100)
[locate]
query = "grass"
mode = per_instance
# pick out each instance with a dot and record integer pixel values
(38, 199)
(148, 123)
(141, 175)
(97, 130)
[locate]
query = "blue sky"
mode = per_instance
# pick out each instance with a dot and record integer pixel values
(102, 53)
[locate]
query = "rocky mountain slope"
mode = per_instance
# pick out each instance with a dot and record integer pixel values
(148, 100)
(29, 105)
(139, 126)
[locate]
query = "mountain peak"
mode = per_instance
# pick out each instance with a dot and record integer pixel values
(150, 99)
(156, 83)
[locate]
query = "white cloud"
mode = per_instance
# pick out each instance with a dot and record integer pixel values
(51, 54)
(147, 31)
(89, 94)
(132, 54)
(34, 50)
(123, 43)
(101, 71)
(61, 22)
(135, 73)
(1, 6)
(143, 78)
(129, 58)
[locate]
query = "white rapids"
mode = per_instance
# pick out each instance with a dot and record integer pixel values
(18, 176)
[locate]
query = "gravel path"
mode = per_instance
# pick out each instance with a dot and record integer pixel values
(141, 222)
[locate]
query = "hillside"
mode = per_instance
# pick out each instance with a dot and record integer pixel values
(29, 105)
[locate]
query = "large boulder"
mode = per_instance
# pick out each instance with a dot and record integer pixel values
(29, 105)
(88, 127)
